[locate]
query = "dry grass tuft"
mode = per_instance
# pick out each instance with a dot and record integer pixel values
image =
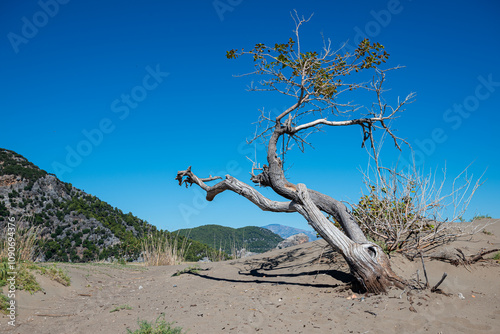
(26, 248)
(163, 249)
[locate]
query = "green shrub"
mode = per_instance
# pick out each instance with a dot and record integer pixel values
(4, 303)
(160, 326)
(53, 272)
(477, 217)
(387, 219)
(406, 211)
(191, 269)
(27, 281)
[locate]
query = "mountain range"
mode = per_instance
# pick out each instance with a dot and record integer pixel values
(287, 231)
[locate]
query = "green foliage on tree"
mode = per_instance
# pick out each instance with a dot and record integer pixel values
(287, 65)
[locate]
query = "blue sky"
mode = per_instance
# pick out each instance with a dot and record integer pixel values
(117, 96)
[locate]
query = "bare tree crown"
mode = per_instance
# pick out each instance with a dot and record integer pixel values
(321, 85)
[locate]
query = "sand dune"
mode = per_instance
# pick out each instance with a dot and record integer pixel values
(303, 289)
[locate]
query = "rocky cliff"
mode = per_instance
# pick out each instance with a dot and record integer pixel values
(72, 225)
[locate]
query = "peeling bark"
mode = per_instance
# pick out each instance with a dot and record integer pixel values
(367, 261)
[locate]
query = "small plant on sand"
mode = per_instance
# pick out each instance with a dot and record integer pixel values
(497, 256)
(217, 255)
(4, 269)
(477, 217)
(162, 248)
(53, 272)
(121, 307)
(160, 326)
(191, 269)
(25, 280)
(4, 303)
(121, 261)
(26, 251)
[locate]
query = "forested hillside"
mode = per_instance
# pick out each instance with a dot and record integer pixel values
(251, 238)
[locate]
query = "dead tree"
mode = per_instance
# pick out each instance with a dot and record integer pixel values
(320, 86)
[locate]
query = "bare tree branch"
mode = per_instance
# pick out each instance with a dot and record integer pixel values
(241, 188)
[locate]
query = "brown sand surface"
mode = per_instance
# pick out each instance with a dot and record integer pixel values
(302, 289)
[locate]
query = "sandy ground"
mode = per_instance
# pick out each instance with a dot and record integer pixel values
(303, 289)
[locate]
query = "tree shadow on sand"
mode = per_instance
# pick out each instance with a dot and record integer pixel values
(338, 275)
(265, 271)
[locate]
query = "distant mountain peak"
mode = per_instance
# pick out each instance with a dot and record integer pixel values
(287, 231)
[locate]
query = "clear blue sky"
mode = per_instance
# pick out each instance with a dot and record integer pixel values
(148, 82)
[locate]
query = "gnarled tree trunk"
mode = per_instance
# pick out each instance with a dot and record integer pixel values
(317, 82)
(368, 263)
